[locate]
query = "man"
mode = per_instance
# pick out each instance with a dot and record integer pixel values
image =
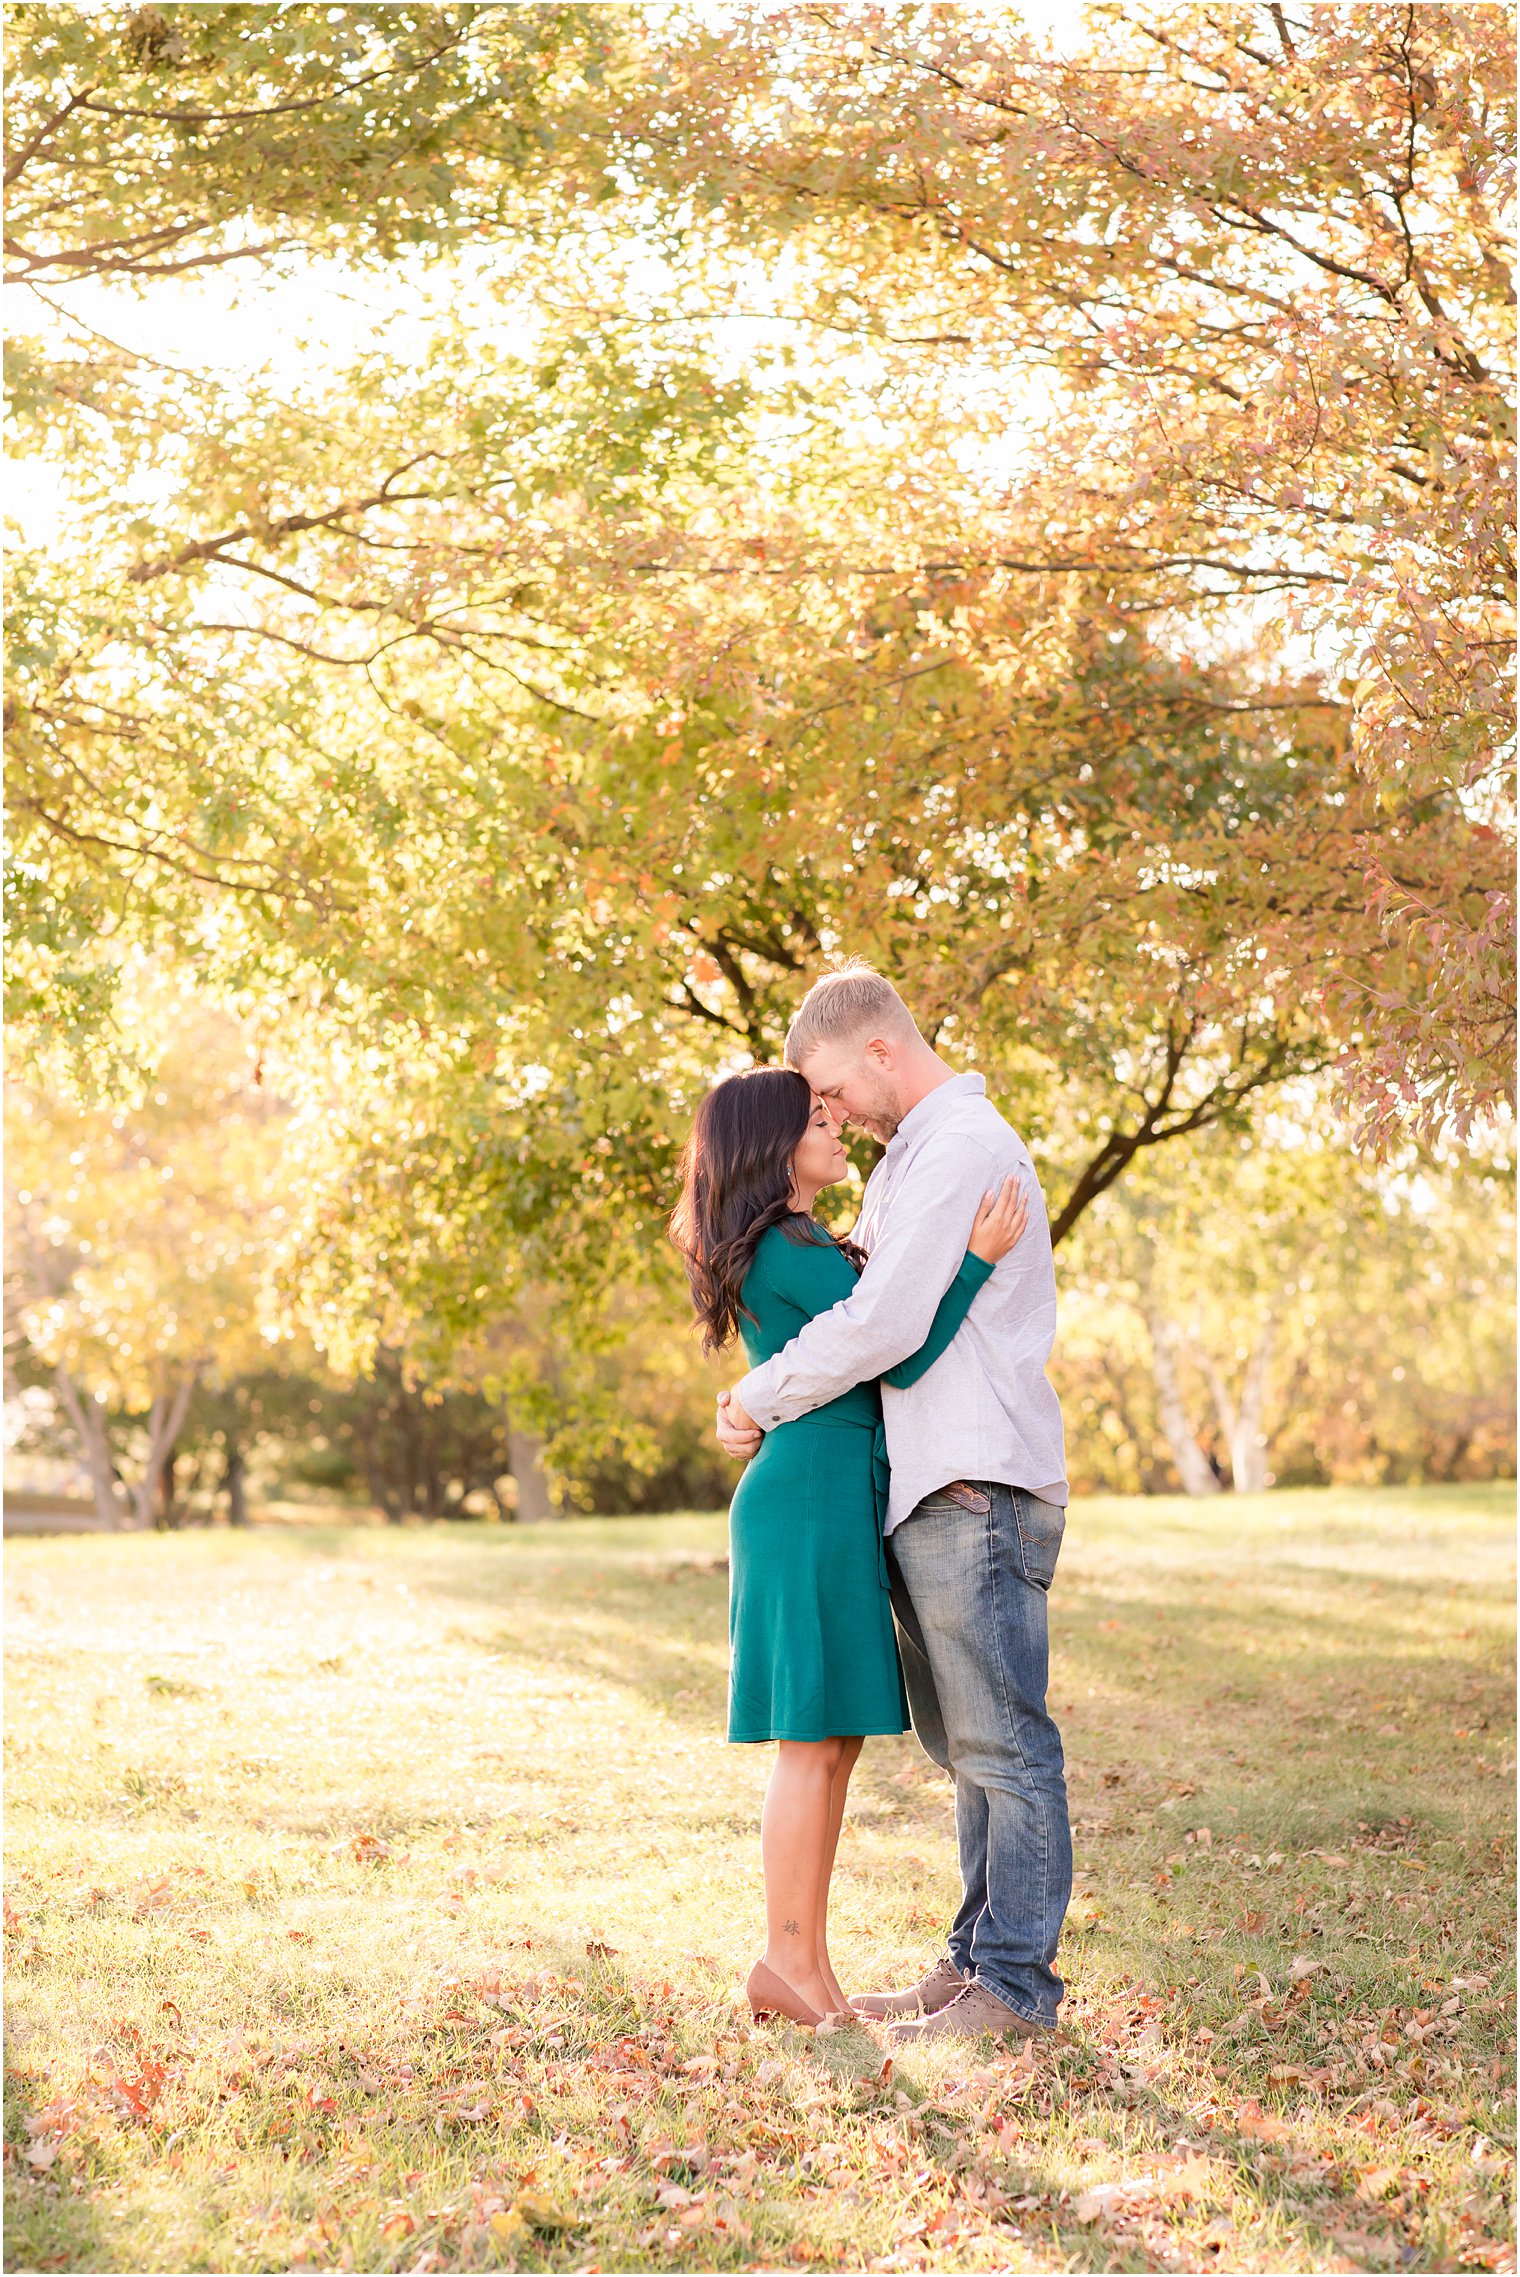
(978, 1493)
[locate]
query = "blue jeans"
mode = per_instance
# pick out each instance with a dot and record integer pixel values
(968, 1590)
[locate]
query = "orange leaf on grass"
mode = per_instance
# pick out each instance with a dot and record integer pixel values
(1189, 2180)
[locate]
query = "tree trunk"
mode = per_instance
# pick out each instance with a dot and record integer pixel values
(166, 1420)
(234, 1482)
(1192, 1463)
(411, 1467)
(1241, 1420)
(88, 1418)
(433, 1499)
(165, 1485)
(534, 1502)
(1248, 1443)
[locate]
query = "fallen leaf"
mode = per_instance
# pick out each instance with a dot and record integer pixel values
(1185, 2181)
(1092, 2205)
(1368, 2248)
(1189, 2180)
(541, 2212)
(1263, 2126)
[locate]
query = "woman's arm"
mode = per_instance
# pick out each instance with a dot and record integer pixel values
(815, 1278)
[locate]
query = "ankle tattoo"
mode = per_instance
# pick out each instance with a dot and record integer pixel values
(792, 1928)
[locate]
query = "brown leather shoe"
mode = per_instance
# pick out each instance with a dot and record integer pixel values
(943, 1984)
(974, 2013)
(770, 1995)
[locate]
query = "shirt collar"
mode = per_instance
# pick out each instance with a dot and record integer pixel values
(936, 1103)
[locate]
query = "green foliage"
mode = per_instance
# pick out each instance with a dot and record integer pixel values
(148, 142)
(1080, 592)
(1326, 1323)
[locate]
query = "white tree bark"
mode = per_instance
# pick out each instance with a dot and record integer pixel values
(534, 1501)
(1248, 1446)
(87, 1415)
(1193, 1466)
(1242, 1421)
(166, 1420)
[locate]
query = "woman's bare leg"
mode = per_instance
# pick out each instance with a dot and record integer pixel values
(794, 1841)
(838, 1791)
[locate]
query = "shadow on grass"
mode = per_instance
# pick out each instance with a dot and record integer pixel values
(1234, 1668)
(47, 2224)
(1282, 2163)
(654, 1634)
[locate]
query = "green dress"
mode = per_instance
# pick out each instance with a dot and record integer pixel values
(813, 1654)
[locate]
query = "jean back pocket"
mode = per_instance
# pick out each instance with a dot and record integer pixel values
(1041, 1528)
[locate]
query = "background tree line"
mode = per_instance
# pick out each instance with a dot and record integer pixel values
(867, 480)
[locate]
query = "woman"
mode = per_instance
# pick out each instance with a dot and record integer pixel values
(814, 1658)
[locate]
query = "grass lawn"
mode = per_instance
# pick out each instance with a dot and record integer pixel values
(380, 1900)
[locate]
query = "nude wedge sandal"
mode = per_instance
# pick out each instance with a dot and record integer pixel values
(770, 1995)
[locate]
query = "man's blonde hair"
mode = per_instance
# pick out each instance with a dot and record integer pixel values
(847, 1004)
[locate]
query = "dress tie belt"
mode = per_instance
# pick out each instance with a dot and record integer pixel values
(881, 1484)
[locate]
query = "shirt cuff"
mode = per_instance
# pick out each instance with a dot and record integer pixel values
(750, 1393)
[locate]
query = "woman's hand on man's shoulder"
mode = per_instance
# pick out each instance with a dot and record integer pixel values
(999, 1222)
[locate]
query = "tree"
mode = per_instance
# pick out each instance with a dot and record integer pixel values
(501, 826)
(1256, 259)
(148, 143)
(139, 1232)
(516, 729)
(1270, 1309)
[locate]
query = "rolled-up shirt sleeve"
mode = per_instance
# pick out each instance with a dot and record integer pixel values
(889, 1313)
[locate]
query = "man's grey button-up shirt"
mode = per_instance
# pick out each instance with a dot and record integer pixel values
(986, 1409)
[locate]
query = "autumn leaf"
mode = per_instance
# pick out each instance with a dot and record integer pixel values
(1264, 2126)
(541, 2213)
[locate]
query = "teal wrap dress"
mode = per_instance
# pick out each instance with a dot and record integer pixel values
(812, 1649)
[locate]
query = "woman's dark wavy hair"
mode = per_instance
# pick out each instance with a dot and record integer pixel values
(734, 1188)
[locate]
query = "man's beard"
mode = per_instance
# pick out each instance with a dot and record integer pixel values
(882, 1127)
